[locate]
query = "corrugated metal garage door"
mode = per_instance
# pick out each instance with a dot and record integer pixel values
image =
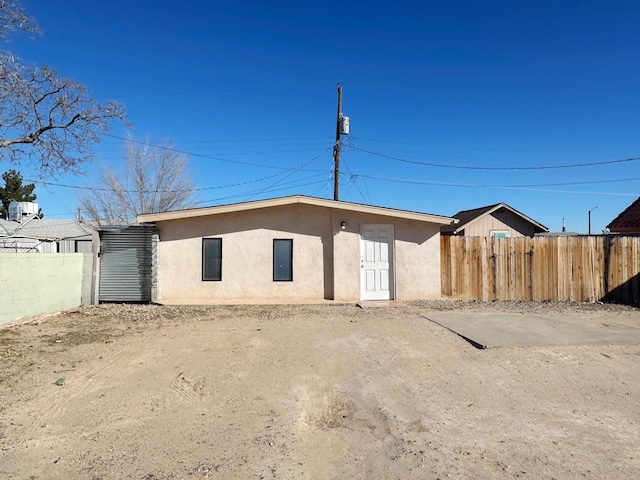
(125, 264)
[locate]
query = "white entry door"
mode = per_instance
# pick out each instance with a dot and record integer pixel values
(376, 262)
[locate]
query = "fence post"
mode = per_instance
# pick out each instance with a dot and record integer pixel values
(607, 265)
(531, 270)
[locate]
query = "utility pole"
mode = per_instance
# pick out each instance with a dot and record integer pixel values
(336, 148)
(590, 218)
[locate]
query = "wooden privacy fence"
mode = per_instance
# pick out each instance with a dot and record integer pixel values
(579, 268)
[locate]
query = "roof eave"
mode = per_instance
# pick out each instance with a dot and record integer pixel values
(298, 199)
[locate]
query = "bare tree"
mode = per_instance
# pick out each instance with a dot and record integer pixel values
(45, 119)
(13, 17)
(154, 180)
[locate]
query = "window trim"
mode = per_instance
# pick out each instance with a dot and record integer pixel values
(204, 279)
(499, 231)
(290, 241)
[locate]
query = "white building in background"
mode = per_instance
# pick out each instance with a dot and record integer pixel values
(24, 231)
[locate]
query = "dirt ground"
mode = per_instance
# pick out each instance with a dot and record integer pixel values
(309, 392)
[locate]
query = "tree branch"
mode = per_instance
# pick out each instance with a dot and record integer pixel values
(153, 180)
(46, 119)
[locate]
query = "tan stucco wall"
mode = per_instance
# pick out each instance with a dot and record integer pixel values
(416, 257)
(247, 256)
(417, 262)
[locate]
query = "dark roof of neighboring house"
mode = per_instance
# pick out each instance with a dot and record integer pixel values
(44, 229)
(628, 220)
(466, 217)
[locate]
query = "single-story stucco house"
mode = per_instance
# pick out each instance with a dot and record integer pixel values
(295, 248)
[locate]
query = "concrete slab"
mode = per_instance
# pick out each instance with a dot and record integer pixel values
(380, 304)
(486, 330)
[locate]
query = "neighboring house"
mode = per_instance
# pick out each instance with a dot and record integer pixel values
(296, 248)
(499, 220)
(628, 221)
(32, 234)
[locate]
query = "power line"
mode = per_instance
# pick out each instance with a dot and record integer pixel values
(271, 152)
(289, 140)
(218, 187)
(256, 140)
(508, 187)
(258, 192)
(468, 167)
(427, 144)
(294, 170)
(100, 189)
(590, 182)
(351, 174)
(353, 178)
(389, 157)
(198, 155)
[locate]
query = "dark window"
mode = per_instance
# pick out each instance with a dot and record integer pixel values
(212, 259)
(282, 260)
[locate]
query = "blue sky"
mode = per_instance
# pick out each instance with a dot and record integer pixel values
(249, 90)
